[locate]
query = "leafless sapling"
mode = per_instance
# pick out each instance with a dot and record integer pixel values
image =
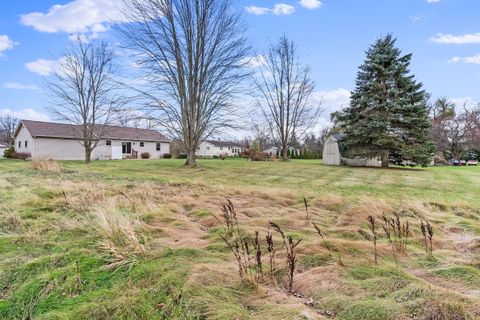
(285, 88)
(83, 92)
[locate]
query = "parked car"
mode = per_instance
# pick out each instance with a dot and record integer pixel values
(454, 162)
(463, 162)
(472, 162)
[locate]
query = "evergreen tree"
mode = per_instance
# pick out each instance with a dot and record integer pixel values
(388, 114)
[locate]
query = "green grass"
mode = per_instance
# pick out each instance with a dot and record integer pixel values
(53, 253)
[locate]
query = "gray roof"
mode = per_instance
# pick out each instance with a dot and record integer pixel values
(70, 131)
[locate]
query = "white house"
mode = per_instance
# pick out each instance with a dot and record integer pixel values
(59, 141)
(332, 155)
(216, 148)
(275, 151)
(3, 147)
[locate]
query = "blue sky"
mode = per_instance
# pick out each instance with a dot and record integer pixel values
(331, 35)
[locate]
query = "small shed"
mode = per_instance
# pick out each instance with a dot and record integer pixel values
(331, 151)
(332, 155)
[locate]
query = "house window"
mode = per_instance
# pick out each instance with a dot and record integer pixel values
(126, 147)
(142, 144)
(158, 146)
(208, 148)
(108, 142)
(26, 144)
(19, 144)
(221, 148)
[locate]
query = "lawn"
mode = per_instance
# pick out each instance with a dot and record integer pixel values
(142, 240)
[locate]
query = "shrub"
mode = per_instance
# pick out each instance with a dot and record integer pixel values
(167, 156)
(8, 152)
(182, 156)
(145, 155)
(21, 155)
(222, 156)
(47, 165)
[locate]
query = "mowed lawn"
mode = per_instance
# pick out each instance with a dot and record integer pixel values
(141, 240)
(451, 185)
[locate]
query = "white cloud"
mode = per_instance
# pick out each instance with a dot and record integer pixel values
(456, 39)
(20, 86)
(310, 4)
(472, 60)
(25, 114)
(283, 9)
(433, 1)
(257, 10)
(464, 101)
(77, 16)
(418, 17)
(43, 67)
(331, 101)
(6, 43)
(278, 9)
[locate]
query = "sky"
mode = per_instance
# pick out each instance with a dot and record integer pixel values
(331, 36)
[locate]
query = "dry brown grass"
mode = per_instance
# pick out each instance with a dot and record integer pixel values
(121, 238)
(46, 165)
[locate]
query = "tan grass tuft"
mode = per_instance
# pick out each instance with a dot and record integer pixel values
(121, 240)
(46, 165)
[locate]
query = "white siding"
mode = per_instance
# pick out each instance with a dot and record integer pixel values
(69, 149)
(208, 150)
(22, 137)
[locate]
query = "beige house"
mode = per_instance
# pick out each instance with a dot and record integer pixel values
(59, 141)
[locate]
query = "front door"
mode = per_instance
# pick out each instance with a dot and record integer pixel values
(126, 147)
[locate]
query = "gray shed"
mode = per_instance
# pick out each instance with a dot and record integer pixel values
(332, 155)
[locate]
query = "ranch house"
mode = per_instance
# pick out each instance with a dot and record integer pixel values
(216, 148)
(59, 141)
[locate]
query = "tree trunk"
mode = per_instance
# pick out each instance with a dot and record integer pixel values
(285, 152)
(385, 159)
(88, 155)
(191, 160)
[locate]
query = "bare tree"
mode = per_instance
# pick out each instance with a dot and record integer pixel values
(8, 125)
(285, 88)
(194, 53)
(83, 91)
(442, 113)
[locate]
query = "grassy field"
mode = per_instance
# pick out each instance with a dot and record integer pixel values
(141, 240)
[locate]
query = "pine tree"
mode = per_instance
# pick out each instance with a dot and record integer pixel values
(388, 114)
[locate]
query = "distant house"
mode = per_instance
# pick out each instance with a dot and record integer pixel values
(215, 148)
(3, 147)
(332, 155)
(275, 151)
(59, 141)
